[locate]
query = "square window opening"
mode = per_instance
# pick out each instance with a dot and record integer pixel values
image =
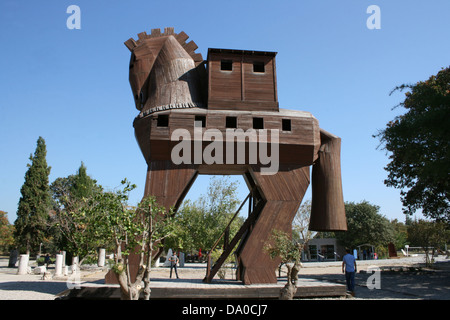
(259, 66)
(231, 122)
(199, 119)
(163, 120)
(226, 65)
(286, 124)
(258, 123)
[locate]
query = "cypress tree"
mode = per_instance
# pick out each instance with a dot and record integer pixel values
(34, 204)
(83, 185)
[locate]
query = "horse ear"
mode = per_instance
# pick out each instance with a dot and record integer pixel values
(130, 44)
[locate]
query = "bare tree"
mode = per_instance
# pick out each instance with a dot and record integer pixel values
(300, 225)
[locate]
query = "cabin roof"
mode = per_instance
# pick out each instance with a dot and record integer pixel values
(242, 52)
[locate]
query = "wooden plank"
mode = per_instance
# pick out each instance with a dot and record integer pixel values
(169, 31)
(156, 32)
(217, 290)
(181, 37)
(197, 57)
(191, 46)
(142, 35)
(130, 44)
(169, 182)
(220, 101)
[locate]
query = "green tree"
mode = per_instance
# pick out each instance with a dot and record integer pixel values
(400, 234)
(6, 233)
(419, 148)
(280, 245)
(428, 234)
(34, 204)
(192, 229)
(365, 225)
(201, 223)
(71, 198)
(133, 230)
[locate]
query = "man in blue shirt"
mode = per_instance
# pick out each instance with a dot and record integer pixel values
(349, 265)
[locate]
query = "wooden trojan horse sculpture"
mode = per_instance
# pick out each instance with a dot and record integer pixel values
(217, 120)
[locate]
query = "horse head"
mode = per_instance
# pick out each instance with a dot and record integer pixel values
(165, 72)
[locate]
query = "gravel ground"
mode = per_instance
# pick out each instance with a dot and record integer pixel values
(33, 287)
(395, 283)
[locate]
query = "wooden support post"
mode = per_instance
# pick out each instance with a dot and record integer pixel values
(283, 193)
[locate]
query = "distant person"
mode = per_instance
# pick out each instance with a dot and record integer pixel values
(173, 264)
(349, 266)
(47, 260)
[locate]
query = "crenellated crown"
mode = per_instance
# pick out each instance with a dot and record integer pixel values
(181, 37)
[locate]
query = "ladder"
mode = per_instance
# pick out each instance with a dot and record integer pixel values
(241, 234)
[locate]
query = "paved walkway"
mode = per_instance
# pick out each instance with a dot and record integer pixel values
(399, 279)
(395, 284)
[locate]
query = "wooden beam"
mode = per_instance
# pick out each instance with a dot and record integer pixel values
(182, 37)
(142, 35)
(156, 32)
(191, 46)
(130, 44)
(169, 31)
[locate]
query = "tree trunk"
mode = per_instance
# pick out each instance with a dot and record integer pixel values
(123, 282)
(289, 290)
(294, 272)
(134, 292)
(147, 289)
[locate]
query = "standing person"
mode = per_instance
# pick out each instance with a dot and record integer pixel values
(349, 262)
(173, 264)
(47, 260)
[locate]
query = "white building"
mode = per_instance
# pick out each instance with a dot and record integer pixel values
(325, 249)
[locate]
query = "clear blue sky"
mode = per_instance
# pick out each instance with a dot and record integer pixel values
(71, 86)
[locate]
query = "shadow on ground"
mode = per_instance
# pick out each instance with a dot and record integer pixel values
(35, 286)
(427, 284)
